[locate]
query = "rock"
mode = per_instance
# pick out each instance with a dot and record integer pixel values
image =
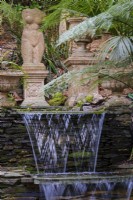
(97, 98)
(12, 174)
(12, 160)
(8, 147)
(4, 64)
(87, 108)
(76, 108)
(125, 166)
(27, 180)
(2, 173)
(118, 101)
(71, 101)
(127, 91)
(106, 92)
(8, 181)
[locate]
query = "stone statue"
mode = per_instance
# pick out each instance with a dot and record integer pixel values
(32, 47)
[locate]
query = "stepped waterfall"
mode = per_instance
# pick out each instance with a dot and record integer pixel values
(65, 149)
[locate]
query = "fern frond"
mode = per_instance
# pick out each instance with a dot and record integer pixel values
(12, 16)
(75, 7)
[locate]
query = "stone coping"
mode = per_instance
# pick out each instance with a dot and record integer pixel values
(90, 178)
(11, 175)
(70, 110)
(9, 172)
(11, 73)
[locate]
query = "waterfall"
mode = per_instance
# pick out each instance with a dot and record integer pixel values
(66, 142)
(99, 191)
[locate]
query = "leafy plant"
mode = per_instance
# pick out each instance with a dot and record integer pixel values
(12, 16)
(57, 85)
(75, 8)
(130, 96)
(118, 20)
(53, 57)
(89, 98)
(98, 72)
(57, 100)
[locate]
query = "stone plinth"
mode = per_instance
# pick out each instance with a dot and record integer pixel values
(34, 86)
(79, 59)
(81, 85)
(9, 82)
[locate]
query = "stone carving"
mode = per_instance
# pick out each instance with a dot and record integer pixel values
(32, 46)
(32, 90)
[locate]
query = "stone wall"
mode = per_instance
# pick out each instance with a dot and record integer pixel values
(16, 153)
(116, 140)
(15, 158)
(15, 147)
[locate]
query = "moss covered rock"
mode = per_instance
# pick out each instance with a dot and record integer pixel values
(89, 98)
(57, 100)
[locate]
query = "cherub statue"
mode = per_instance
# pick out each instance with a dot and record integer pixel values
(32, 46)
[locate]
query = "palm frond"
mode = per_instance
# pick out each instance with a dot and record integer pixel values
(57, 85)
(101, 21)
(117, 48)
(96, 73)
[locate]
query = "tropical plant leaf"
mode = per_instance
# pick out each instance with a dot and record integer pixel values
(130, 96)
(117, 48)
(101, 21)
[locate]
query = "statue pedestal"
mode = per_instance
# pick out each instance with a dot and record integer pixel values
(81, 85)
(79, 59)
(34, 85)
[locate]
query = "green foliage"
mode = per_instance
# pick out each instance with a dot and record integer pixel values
(75, 8)
(53, 56)
(89, 98)
(12, 16)
(27, 3)
(117, 19)
(79, 103)
(117, 48)
(130, 96)
(99, 71)
(103, 20)
(58, 85)
(57, 100)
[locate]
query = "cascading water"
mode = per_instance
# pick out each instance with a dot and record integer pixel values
(83, 191)
(67, 144)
